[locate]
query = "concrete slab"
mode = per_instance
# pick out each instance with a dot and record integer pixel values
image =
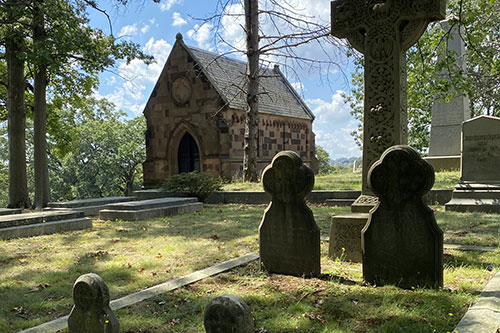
(62, 323)
(146, 209)
(9, 211)
(484, 315)
(7, 221)
(89, 202)
(45, 228)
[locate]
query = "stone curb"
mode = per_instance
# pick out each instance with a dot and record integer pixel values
(484, 315)
(62, 323)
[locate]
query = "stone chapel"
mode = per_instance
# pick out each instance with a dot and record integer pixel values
(196, 117)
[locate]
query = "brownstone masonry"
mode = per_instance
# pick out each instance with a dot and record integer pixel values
(195, 117)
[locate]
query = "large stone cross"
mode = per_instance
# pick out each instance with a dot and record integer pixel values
(383, 31)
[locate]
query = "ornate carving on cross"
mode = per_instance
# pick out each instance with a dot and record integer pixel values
(383, 31)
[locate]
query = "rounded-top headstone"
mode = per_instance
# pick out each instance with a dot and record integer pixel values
(91, 312)
(227, 314)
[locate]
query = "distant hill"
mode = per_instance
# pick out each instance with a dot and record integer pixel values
(343, 161)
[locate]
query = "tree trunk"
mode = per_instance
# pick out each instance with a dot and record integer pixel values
(18, 188)
(252, 113)
(42, 188)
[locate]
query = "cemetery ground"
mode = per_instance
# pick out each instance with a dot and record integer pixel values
(37, 274)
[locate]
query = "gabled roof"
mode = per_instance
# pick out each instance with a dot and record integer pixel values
(227, 75)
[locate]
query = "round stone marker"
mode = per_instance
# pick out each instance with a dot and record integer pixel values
(228, 314)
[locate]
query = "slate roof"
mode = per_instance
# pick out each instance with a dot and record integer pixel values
(276, 97)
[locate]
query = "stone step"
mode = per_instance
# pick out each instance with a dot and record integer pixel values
(339, 202)
(473, 205)
(7, 221)
(45, 228)
(90, 202)
(477, 194)
(151, 203)
(144, 214)
(9, 211)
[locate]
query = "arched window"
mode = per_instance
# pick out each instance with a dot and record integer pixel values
(188, 155)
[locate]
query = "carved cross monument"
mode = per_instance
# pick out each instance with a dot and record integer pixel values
(383, 31)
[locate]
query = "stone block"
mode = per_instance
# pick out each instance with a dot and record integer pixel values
(289, 239)
(345, 236)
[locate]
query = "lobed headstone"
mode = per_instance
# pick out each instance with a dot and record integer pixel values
(228, 314)
(289, 238)
(402, 243)
(479, 186)
(91, 312)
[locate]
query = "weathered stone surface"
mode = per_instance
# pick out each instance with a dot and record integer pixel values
(402, 243)
(10, 211)
(479, 186)
(345, 236)
(289, 238)
(91, 312)
(447, 117)
(228, 314)
(481, 150)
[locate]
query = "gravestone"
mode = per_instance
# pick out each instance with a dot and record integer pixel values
(479, 186)
(447, 117)
(228, 314)
(91, 312)
(402, 243)
(382, 31)
(289, 238)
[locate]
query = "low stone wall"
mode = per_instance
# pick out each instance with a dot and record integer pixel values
(439, 196)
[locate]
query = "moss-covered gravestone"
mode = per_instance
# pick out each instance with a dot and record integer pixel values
(288, 235)
(402, 243)
(91, 312)
(228, 314)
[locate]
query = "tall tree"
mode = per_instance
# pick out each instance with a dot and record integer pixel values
(15, 50)
(252, 113)
(286, 29)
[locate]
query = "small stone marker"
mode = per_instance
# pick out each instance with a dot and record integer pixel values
(91, 312)
(402, 243)
(228, 314)
(289, 238)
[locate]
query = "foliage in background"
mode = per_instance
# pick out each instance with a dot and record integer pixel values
(193, 184)
(428, 58)
(106, 162)
(324, 166)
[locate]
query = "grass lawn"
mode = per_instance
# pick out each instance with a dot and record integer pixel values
(346, 181)
(36, 276)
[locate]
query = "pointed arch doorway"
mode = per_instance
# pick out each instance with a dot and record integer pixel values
(188, 155)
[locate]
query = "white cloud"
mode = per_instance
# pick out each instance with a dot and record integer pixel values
(128, 30)
(166, 5)
(138, 78)
(202, 35)
(145, 28)
(299, 87)
(178, 20)
(333, 125)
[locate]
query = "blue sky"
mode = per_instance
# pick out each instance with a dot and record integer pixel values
(154, 26)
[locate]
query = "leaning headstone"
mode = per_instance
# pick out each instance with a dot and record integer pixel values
(402, 243)
(447, 117)
(91, 312)
(228, 314)
(382, 31)
(479, 186)
(289, 238)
